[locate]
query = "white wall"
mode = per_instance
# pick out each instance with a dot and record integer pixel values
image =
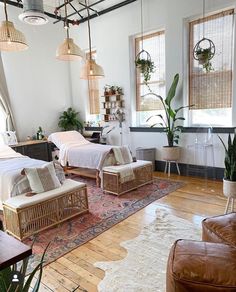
(41, 87)
(112, 36)
(38, 84)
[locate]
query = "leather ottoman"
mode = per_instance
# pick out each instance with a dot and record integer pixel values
(220, 229)
(195, 266)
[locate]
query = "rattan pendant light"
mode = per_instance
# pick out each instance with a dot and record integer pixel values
(68, 50)
(11, 39)
(91, 70)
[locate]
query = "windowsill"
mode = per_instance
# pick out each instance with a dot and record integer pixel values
(218, 130)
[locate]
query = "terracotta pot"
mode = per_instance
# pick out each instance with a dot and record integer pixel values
(171, 153)
(229, 188)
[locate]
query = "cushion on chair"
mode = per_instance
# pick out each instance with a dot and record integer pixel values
(221, 229)
(42, 179)
(201, 267)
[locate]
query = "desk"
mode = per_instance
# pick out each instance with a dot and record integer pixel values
(12, 250)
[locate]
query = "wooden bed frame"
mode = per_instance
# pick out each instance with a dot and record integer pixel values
(84, 172)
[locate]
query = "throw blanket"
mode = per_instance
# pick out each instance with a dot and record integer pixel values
(126, 172)
(123, 158)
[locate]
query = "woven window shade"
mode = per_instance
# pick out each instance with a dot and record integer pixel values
(212, 90)
(93, 88)
(154, 44)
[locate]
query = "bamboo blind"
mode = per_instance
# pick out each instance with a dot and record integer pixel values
(212, 90)
(154, 44)
(93, 89)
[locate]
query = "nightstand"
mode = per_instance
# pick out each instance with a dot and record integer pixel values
(37, 149)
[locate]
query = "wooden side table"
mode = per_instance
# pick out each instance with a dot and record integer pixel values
(12, 250)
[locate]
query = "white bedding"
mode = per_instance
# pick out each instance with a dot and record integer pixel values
(76, 151)
(89, 155)
(10, 172)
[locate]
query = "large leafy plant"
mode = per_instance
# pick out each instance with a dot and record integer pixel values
(230, 158)
(69, 120)
(168, 122)
(6, 284)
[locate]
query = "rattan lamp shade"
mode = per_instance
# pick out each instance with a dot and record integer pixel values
(69, 51)
(11, 39)
(91, 70)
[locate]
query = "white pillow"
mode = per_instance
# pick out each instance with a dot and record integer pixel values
(42, 179)
(8, 138)
(60, 138)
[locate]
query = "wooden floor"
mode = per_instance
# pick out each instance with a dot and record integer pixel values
(197, 199)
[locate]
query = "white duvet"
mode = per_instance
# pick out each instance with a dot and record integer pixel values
(11, 165)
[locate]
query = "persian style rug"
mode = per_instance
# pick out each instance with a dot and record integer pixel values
(144, 268)
(105, 210)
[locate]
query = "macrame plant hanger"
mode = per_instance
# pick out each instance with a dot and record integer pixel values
(143, 52)
(143, 59)
(204, 50)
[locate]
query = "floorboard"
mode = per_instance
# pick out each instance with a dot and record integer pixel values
(195, 200)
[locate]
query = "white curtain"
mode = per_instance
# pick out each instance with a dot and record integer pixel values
(5, 99)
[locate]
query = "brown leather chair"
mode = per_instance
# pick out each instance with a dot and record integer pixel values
(205, 266)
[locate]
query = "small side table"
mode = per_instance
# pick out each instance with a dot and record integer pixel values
(168, 162)
(12, 250)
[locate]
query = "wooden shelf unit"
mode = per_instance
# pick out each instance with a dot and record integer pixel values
(110, 104)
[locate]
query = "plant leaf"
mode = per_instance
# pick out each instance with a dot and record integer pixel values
(172, 90)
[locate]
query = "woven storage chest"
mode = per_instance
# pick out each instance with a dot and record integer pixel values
(112, 182)
(24, 216)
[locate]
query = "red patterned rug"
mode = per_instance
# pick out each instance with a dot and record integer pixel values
(104, 212)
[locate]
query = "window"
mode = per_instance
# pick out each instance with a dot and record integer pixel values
(93, 87)
(148, 105)
(211, 93)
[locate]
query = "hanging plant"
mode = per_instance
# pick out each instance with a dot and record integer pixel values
(204, 55)
(145, 65)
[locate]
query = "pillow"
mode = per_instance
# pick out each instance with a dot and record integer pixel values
(22, 186)
(8, 138)
(60, 138)
(42, 179)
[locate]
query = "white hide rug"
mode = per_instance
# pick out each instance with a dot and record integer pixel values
(144, 267)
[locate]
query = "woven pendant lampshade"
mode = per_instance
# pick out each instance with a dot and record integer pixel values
(91, 70)
(69, 51)
(11, 39)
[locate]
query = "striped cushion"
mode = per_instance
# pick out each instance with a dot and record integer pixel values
(42, 179)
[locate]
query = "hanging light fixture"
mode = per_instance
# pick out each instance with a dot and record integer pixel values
(91, 70)
(68, 50)
(11, 39)
(204, 50)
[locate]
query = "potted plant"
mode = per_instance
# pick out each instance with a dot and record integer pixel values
(69, 120)
(229, 180)
(25, 282)
(169, 121)
(146, 67)
(204, 56)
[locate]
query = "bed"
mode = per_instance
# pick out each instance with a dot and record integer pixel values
(79, 156)
(11, 165)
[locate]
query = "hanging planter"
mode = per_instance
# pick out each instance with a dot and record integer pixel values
(203, 52)
(145, 64)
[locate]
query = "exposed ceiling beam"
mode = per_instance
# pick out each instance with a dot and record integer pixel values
(80, 10)
(114, 7)
(59, 18)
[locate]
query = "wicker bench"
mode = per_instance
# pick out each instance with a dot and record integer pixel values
(143, 171)
(24, 216)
